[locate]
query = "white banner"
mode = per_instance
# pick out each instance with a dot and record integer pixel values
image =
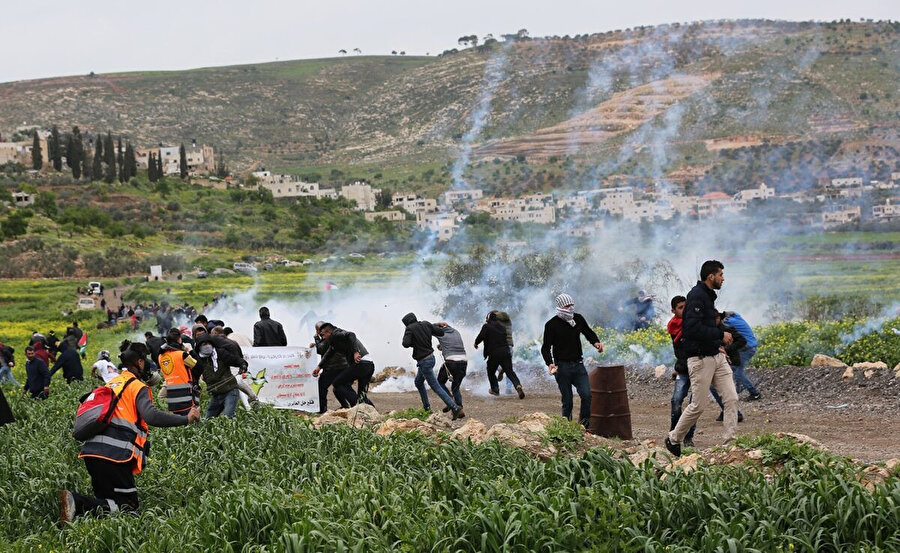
(282, 376)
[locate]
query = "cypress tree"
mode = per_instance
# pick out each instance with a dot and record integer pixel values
(130, 162)
(53, 149)
(221, 169)
(97, 168)
(160, 173)
(151, 168)
(76, 153)
(110, 155)
(87, 167)
(120, 158)
(182, 162)
(37, 158)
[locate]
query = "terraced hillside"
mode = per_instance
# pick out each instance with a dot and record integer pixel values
(686, 91)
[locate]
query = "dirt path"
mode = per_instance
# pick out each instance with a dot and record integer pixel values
(857, 431)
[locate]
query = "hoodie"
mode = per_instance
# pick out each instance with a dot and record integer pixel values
(418, 336)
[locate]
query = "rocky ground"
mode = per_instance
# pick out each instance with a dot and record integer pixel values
(856, 415)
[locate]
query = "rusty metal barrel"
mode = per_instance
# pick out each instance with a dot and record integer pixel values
(610, 416)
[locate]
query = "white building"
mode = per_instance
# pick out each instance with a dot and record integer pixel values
(364, 195)
(413, 203)
(451, 197)
(841, 216)
(574, 203)
(388, 215)
(888, 210)
(287, 186)
(716, 202)
(22, 199)
(444, 224)
(850, 181)
(522, 213)
(762, 193)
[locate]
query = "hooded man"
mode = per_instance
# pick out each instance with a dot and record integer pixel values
(214, 364)
(498, 353)
(69, 362)
(564, 357)
(345, 343)
(114, 456)
(267, 331)
(417, 336)
(643, 310)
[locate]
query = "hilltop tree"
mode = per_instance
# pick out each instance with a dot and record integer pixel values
(37, 155)
(342, 52)
(53, 149)
(221, 169)
(75, 158)
(160, 173)
(130, 162)
(110, 155)
(152, 175)
(120, 159)
(357, 51)
(97, 167)
(182, 162)
(87, 166)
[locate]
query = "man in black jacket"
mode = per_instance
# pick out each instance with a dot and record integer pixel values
(498, 354)
(268, 332)
(69, 362)
(345, 343)
(37, 376)
(418, 337)
(563, 355)
(704, 345)
(329, 367)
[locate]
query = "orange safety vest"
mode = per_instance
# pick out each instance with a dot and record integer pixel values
(126, 436)
(179, 388)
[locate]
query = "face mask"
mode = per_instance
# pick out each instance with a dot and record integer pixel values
(206, 350)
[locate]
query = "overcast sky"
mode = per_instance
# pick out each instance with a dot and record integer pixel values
(46, 38)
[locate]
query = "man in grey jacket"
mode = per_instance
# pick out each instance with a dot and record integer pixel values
(455, 362)
(418, 337)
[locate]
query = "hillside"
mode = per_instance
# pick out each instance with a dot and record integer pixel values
(652, 101)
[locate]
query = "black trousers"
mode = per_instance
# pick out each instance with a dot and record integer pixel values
(6, 415)
(326, 379)
(457, 370)
(113, 485)
(504, 362)
(361, 372)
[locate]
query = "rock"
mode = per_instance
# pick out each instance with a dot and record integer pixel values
(848, 374)
(821, 360)
(359, 416)
(660, 370)
(535, 422)
(522, 438)
(878, 365)
(868, 373)
(755, 454)
(802, 439)
(440, 421)
(405, 425)
(686, 463)
(891, 464)
(387, 372)
(473, 430)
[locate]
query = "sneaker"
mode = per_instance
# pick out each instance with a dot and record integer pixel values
(67, 506)
(458, 413)
(521, 391)
(740, 417)
(445, 410)
(754, 397)
(494, 392)
(721, 416)
(687, 443)
(674, 449)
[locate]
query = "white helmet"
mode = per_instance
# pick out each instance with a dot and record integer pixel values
(104, 354)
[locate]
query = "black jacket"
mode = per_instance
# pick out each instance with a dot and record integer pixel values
(418, 336)
(702, 337)
(343, 343)
(154, 343)
(7, 355)
(68, 361)
(562, 341)
(268, 332)
(733, 352)
(37, 376)
(333, 361)
(493, 334)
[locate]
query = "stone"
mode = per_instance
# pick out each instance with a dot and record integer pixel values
(868, 373)
(878, 365)
(891, 464)
(660, 371)
(535, 422)
(821, 360)
(473, 430)
(387, 372)
(687, 463)
(802, 439)
(755, 454)
(520, 437)
(359, 416)
(848, 374)
(440, 421)
(405, 425)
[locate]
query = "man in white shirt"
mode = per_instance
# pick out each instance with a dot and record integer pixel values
(103, 368)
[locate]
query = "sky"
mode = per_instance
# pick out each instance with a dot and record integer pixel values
(56, 38)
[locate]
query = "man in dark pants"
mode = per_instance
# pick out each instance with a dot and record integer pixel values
(328, 368)
(418, 336)
(116, 455)
(345, 343)
(69, 362)
(37, 376)
(455, 362)
(497, 353)
(563, 355)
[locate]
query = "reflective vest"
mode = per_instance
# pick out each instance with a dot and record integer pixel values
(179, 388)
(126, 436)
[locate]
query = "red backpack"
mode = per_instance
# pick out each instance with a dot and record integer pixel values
(96, 410)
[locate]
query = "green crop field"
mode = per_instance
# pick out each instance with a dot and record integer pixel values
(267, 482)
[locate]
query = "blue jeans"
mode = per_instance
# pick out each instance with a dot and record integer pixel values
(425, 373)
(6, 374)
(679, 394)
(741, 382)
(223, 403)
(573, 373)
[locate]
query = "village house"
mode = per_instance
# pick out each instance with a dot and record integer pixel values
(444, 224)
(200, 159)
(452, 197)
(387, 215)
(573, 203)
(841, 215)
(287, 186)
(413, 203)
(763, 192)
(850, 181)
(22, 199)
(715, 203)
(364, 195)
(20, 152)
(887, 211)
